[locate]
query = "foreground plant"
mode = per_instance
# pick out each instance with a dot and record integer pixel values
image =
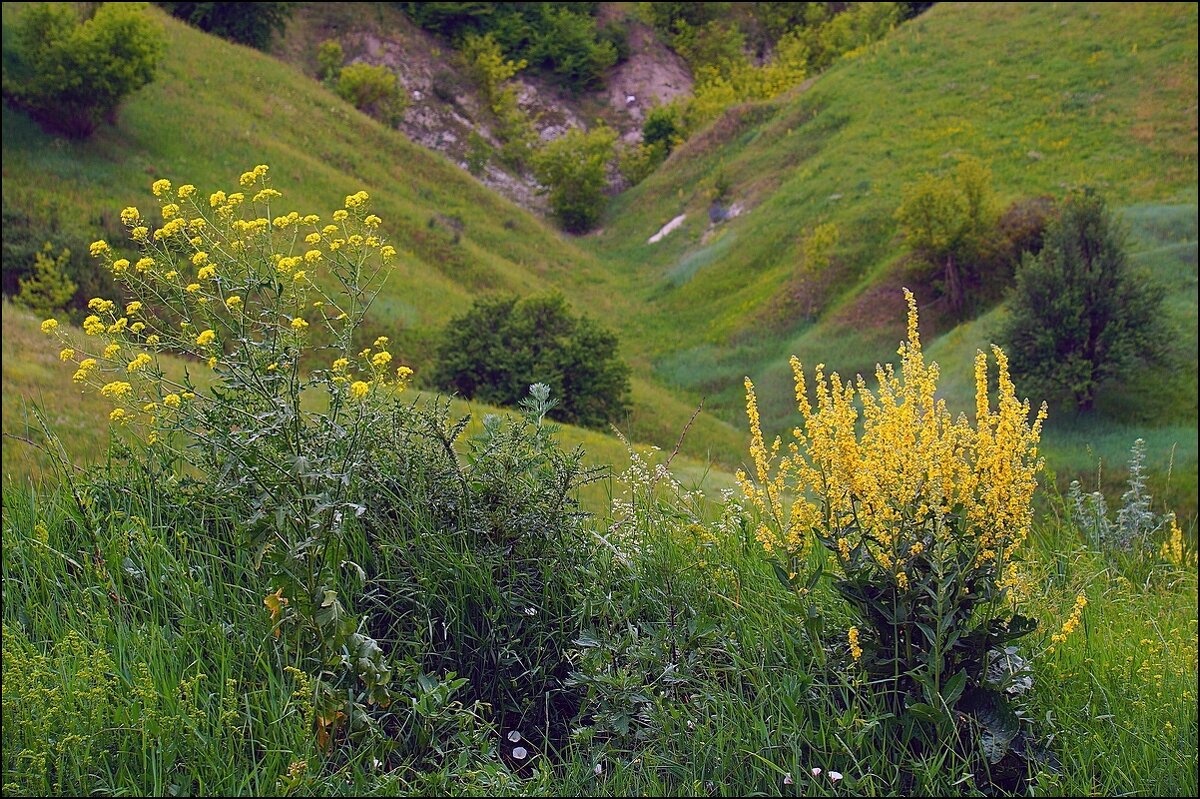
(923, 515)
(277, 417)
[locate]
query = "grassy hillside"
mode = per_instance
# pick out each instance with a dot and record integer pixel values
(1051, 95)
(33, 377)
(218, 108)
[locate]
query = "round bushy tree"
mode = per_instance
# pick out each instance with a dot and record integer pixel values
(1080, 315)
(502, 345)
(574, 169)
(71, 74)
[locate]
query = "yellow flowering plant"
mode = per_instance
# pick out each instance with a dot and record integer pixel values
(923, 514)
(217, 281)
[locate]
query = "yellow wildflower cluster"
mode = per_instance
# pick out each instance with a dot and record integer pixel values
(1173, 550)
(852, 638)
(889, 477)
(203, 266)
(1072, 622)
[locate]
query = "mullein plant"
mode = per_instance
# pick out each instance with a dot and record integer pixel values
(234, 286)
(922, 515)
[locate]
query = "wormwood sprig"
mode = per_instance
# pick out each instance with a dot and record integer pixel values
(262, 305)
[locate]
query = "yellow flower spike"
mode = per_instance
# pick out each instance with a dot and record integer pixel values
(380, 360)
(49, 326)
(340, 215)
(212, 362)
(139, 233)
(381, 341)
(99, 248)
(247, 179)
(132, 308)
(852, 638)
(160, 187)
(299, 324)
(111, 351)
(118, 415)
(199, 259)
(192, 288)
(340, 364)
(205, 338)
(216, 198)
(312, 256)
(66, 354)
(388, 252)
(152, 340)
(312, 238)
(207, 272)
(185, 191)
(359, 389)
(172, 401)
(233, 301)
(130, 216)
(403, 373)
(170, 210)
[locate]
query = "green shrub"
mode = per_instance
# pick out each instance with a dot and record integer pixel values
(47, 288)
(496, 350)
(662, 128)
(330, 58)
(948, 220)
(70, 74)
(373, 89)
(1080, 315)
(574, 170)
(252, 24)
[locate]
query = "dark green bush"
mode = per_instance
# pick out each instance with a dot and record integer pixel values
(558, 38)
(498, 348)
(71, 74)
(252, 24)
(1080, 314)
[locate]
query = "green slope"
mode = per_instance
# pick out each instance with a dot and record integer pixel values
(1052, 95)
(218, 108)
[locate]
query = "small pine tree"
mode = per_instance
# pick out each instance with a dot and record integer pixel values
(1080, 315)
(47, 288)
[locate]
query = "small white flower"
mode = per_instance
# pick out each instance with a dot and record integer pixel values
(834, 776)
(514, 736)
(530, 611)
(816, 772)
(787, 778)
(599, 769)
(520, 753)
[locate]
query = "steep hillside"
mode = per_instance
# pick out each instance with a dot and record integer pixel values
(1051, 95)
(217, 108)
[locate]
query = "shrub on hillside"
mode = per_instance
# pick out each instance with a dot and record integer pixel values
(330, 57)
(47, 288)
(574, 170)
(252, 24)
(1080, 314)
(373, 89)
(498, 348)
(948, 220)
(71, 74)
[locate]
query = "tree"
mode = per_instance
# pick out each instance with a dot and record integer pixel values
(1080, 315)
(251, 24)
(947, 221)
(502, 345)
(72, 74)
(574, 169)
